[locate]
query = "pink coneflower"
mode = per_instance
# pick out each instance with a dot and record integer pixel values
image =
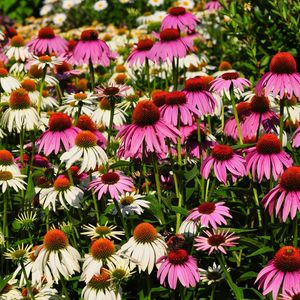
(216, 240)
(178, 265)
(210, 214)
(60, 135)
(147, 133)
(86, 123)
(112, 91)
(159, 97)
(212, 5)
(296, 138)
(286, 195)
(267, 158)
(140, 52)
(197, 93)
(229, 80)
(224, 160)
(282, 77)
(169, 46)
(282, 271)
(177, 106)
(47, 43)
(90, 49)
(114, 183)
(260, 115)
(291, 294)
(65, 71)
(180, 19)
(230, 128)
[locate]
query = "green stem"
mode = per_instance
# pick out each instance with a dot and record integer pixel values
(92, 73)
(124, 224)
(156, 176)
(5, 227)
(22, 145)
(111, 119)
(281, 120)
(212, 292)
(236, 116)
(30, 294)
(64, 288)
(94, 199)
(147, 70)
(41, 90)
(295, 225)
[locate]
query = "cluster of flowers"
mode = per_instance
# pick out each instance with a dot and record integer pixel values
(80, 144)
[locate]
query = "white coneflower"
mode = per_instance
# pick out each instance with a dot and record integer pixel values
(86, 151)
(17, 68)
(189, 228)
(120, 272)
(17, 49)
(37, 73)
(7, 82)
(102, 251)
(30, 86)
(129, 102)
(20, 115)
(48, 102)
(102, 114)
(130, 203)
(26, 220)
(45, 61)
(8, 179)
(57, 258)
(212, 275)
(146, 246)
(102, 231)
(41, 292)
(10, 292)
(100, 287)
(19, 254)
(63, 192)
(7, 162)
(85, 103)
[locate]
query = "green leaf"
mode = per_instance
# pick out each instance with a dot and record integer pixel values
(261, 251)
(120, 163)
(180, 210)
(247, 275)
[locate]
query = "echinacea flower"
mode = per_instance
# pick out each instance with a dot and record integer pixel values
(178, 265)
(212, 275)
(100, 287)
(197, 93)
(296, 138)
(44, 61)
(140, 52)
(11, 180)
(90, 49)
(62, 192)
(30, 86)
(60, 135)
(102, 231)
(9, 291)
(113, 182)
(189, 228)
(180, 19)
(130, 203)
(86, 151)
(285, 196)
(102, 251)
(176, 105)
(112, 91)
(19, 254)
(20, 114)
(267, 158)
(148, 132)
(17, 49)
(169, 46)
(223, 160)
(212, 6)
(260, 115)
(230, 80)
(291, 294)
(282, 77)
(56, 258)
(283, 271)
(47, 43)
(146, 246)
(210, 214)
(7, 162)
(215, 240)
(7, 82)
(41, 292)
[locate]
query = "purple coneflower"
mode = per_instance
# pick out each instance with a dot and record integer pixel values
(260, 115)
(296, 138)
(169, 46)
(175, 106)
(178, 265)
(210, 214)
(286, 195)
(197, 93)
(213, 6)
(114, 183)
(90, 49)
(47, 43)
(216, 240)
(291, 294)
(282, 271)
(60, 135)
(229, 80)
(224, 160)
(140, 52)
(282, 77)
(267, 158)
(180, 19)
(147, 133)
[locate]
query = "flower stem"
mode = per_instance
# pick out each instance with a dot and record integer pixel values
(295, 225)
(30, 294)
(236, 116)
(92, 73)
(5, 227)
(147, 70)
(22, 145)
(94, 199)
(41, 90)
(212, 292)
(124, 224)
(281, 120)
(111, 119)
(64, 288)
